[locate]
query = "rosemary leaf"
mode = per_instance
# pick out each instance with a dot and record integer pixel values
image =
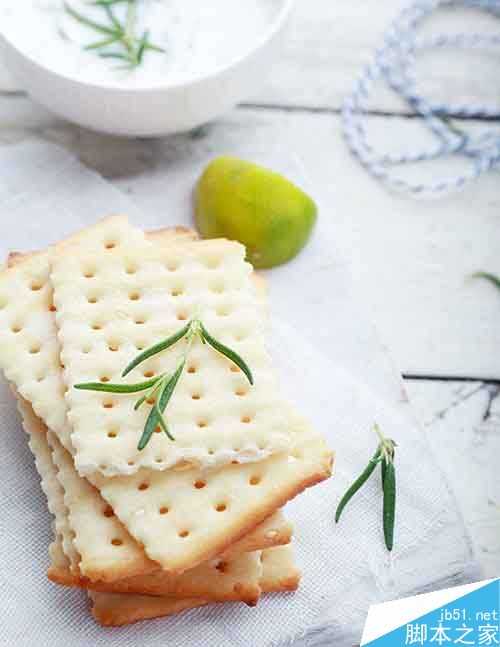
(140, 402)
(383, 470)
(157, 348)
(151, 424)
(389, 509)
(117, 388)
(494, 280)
(167, 392)
(88, 22)
(163, 424)
(163, 399)
(142, 46)
(102, 43)
(154, 48)
(227, 352)
(358, 483)
(121, 57)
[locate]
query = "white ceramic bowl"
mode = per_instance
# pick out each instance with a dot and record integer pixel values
(149, 111)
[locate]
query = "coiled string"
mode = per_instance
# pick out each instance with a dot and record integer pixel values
(392, 65)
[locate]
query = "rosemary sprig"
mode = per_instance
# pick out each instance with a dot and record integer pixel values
(160, 389)
(121, 34)
(385, 456)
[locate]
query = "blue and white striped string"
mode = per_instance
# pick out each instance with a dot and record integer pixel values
(393, 65)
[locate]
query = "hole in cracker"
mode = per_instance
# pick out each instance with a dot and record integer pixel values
(89, 273)
(52, 308)
(134, 296)
(150, 401)
(112, 433)
(35, 286)
(16, 328)
(195, 396)
(182, 316)
(192, 369)
(86, 350)
(131, 463)
(140, 345)
(246, 419)
(234, 368)
(108, 404)
(113, 346)
(108, 511)
(40, 378)
(92, 299)
(130, 268)
(183, 534)
(255, 479)
(110, 244)
(211, 452)
(176, 292)
(222, 567)
(140, 320)
(163, 510)
(202, 423)
(158, 430)
(116, 542)
(149, 374)
(143, 486)
(96, 326)
(241, 391)
(104, 379)
(159, 459)
(199, 485)
(172, 265)
(221, 507)
(35, 349)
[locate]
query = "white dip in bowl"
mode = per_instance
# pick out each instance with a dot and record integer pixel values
(205, 57)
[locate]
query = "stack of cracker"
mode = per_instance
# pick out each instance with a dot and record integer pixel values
(180, 523)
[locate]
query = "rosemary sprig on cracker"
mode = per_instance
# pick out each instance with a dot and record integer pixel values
(159, 390)
(119, 39)
(384, 456)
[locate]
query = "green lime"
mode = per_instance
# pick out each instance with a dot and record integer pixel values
(263, 210)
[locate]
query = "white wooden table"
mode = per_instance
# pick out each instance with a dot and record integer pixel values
(411, 258)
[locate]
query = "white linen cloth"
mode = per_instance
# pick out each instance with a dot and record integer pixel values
(335, 371)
